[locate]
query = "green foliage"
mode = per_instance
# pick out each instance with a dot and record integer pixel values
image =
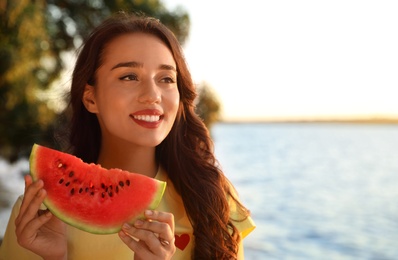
(25, 59)
(208, 105)
(71, 20)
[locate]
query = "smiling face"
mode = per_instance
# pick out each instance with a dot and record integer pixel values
(135, 96)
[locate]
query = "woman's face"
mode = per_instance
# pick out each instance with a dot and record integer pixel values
(135, 96)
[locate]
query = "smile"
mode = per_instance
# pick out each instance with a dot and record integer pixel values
(147, 118)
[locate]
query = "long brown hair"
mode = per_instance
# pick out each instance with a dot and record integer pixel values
(187, 152)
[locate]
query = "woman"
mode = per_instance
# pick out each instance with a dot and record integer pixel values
(132, 103)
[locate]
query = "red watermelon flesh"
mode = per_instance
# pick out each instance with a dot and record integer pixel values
(90, 197)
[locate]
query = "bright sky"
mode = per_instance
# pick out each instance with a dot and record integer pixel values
(290, 58)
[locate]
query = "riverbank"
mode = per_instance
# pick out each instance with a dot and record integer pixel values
(320, 120)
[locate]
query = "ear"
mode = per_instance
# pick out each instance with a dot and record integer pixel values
(89, 99)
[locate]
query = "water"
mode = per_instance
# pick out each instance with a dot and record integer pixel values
(316, 191)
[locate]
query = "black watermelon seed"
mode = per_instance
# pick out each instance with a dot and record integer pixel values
(128, 182)
(121, 183)
(102, 185)
(92, 193)
(87, 189)
(103, 194)
(67, 184)
(61, 181)
(72, 191)
(71, 174)
(110, 194)
(80, 190)
(117, 189)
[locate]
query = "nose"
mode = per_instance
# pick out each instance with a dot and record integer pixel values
(150, 93)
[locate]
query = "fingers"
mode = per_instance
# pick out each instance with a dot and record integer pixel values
(153, 235)
(145, 243)
(28, 181)
(33, 193)
(158, 224)
(161, 223)
(27, 233)
(163, 217)
(127, 234)
(141, 250)
(27, 222)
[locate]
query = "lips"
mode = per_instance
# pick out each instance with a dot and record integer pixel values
(148, 118)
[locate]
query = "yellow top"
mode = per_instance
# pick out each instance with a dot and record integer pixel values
(84, 245)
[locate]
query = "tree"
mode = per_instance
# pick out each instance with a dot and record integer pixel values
(25, 67)
(208, 105)
(34, 35)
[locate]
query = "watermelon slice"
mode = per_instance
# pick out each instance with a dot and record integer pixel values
(90, 197)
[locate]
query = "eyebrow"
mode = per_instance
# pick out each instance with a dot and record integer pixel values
(135, 64)
(130, 64)
(167, 67)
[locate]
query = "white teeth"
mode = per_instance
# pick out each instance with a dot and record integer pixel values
(147, 118)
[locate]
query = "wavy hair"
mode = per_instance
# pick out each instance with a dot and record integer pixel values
(186, 153)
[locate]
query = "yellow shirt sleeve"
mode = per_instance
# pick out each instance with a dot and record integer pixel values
(246, 226)
(10, 249)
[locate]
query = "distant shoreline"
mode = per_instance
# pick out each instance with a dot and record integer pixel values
(309, 120)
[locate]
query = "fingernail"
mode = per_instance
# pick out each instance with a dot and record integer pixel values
(40, 182)
(126, 226)
(148, 212)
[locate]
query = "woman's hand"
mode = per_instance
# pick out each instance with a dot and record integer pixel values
(152, 238)
(39, 231)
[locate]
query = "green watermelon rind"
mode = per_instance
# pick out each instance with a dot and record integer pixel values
(86, 226)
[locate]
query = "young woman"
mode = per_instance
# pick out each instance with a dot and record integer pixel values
(132, 103)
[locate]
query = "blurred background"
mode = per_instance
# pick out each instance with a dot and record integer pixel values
(300, 98)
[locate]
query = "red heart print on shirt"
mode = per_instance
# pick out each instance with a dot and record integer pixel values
(181, 241)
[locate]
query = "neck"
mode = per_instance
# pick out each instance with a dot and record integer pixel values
(131, 158)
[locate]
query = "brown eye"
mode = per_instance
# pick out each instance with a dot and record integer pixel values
(168, 80)
(129, 77)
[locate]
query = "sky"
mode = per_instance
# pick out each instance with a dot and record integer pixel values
(289, 59)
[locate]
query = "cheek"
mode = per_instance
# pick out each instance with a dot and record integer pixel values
(111, 106)
(170, 96)
(175, 102)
